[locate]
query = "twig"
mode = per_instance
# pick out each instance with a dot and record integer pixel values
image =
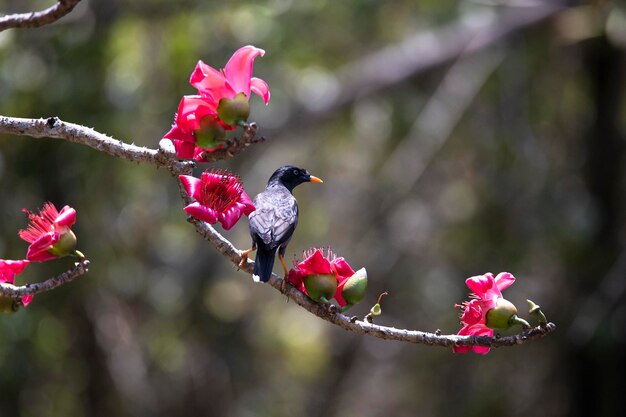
(10, 290)
(234, 146)
(36, 19)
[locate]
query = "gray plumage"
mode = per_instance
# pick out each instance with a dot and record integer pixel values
(276, 216)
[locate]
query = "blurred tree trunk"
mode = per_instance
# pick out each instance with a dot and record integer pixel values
(598, 365)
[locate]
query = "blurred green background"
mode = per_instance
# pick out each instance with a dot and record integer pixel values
(454, 138)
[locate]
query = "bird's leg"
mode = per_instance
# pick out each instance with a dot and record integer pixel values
(283, 286)
(244, 256)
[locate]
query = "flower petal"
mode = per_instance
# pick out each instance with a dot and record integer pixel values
(67, 217)
(504, 280)
(295, 277)
(473, 313)
(248, 206)
(260, 88)
(482, 285)
(238, 70)
(343, 270)
(198, 106)
(13, 267)
(339, 297)
(201, 212)
(315, 264)
(38, 250)
(211, 83)
(26, 300)
(191, 185)
(473, 330)
(177, 133)
(230, 216)
(184, 149)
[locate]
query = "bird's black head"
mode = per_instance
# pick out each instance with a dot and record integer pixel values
(291, 176)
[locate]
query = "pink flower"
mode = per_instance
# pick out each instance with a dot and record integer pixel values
(196, 128)
(219, 197)
(487, 291)
(49, 233)
(222, 103)
(235, 78)
(315, 263)
(8, 271)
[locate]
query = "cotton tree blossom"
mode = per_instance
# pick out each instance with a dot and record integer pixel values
(324, 277)
(485, 310)
(49, 233)
(8, 270)
(219, 196)
(221, 104)
(228, 90)
(196, 128)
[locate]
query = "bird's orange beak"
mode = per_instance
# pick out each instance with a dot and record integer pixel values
(315, 179)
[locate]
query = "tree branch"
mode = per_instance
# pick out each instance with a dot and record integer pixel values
(55, 128)
(36, 19)
(226, 248)
(10, 290)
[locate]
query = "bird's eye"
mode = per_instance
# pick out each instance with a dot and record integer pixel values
(295, 172)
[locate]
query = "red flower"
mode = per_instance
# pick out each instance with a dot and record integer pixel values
(315, 263)
(201, 120)
(487, 293)
(8, 271)
(49, 233)
(219, 197)
(196, 128)
(234, 79)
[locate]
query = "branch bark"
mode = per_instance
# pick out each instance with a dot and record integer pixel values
(53, 127)
(13, 291)
(36, 19)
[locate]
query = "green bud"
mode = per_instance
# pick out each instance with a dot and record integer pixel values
(354, 290)
(320, 287)
(8, 305)
(535, 310)
(376, 310)
(498, 317)
(234, 111)
(211, 133)
(65, 246)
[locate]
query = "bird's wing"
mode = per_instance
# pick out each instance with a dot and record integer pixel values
(274, 219)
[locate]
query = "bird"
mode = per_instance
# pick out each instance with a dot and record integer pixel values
(273, 222)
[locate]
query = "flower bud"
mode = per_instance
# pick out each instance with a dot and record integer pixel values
(211, 133)
(234, 111)
(8, 305)
(65, 246)
(320, 286)
(376, 310)
(498, 317)
(354, 288)
(535, 310)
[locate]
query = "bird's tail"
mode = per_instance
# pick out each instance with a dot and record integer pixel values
(263, 264)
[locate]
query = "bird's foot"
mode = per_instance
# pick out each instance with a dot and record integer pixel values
(283, 286)
(244, 260)
(244, 257)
